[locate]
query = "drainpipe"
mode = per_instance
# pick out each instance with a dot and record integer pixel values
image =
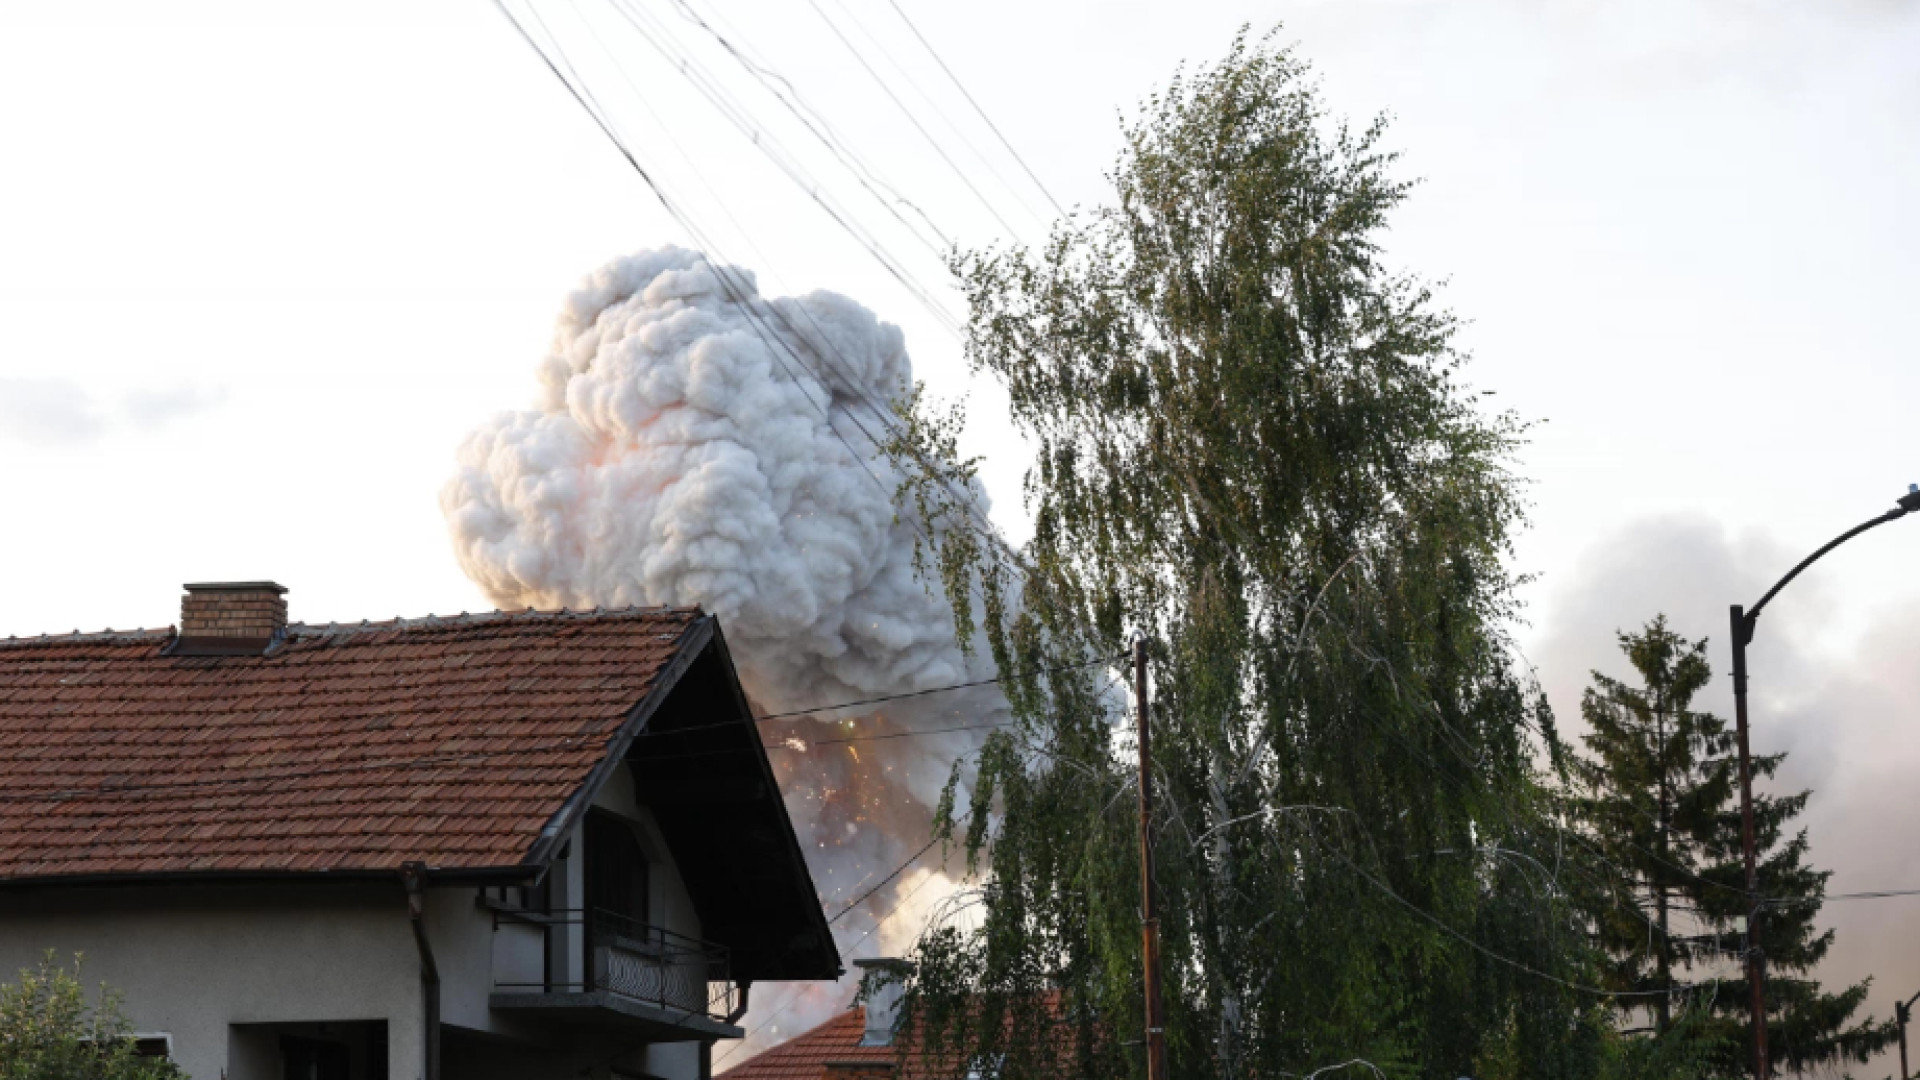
(414, 876)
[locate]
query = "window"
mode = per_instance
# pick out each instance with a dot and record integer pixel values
(616, 871)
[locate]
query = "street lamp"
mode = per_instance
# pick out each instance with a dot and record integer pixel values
(1743, 620)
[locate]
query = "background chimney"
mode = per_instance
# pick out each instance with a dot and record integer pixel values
(883, 983)
(231, 618)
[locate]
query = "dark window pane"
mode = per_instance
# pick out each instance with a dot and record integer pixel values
(616, 872)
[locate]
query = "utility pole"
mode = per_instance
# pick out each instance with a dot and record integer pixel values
(1149, 914)
(1903, 1012)
(1743, 620)
(1756, 957)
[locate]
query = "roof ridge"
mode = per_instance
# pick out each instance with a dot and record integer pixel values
(496, 617)
(90, 637)
(398, 622)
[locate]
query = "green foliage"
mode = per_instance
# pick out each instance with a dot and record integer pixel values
(1659, 793)
(1255, 453)
(1679, 1055)
(1653, 793)
(50, 1031)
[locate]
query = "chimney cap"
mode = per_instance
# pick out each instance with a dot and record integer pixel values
(234, 586)
(891, 964)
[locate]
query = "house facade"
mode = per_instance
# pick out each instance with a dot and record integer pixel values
(516, 845)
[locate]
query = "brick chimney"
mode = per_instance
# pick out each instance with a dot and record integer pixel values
(231, 618)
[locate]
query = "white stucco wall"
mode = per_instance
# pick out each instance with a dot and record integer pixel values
(468, 949)
(192, 961)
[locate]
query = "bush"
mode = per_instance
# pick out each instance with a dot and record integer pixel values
(49, 1031)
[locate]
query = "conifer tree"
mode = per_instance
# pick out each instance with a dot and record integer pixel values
(1659, 793)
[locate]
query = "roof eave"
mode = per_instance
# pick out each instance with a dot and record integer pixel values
(798, 859)
(457, 875)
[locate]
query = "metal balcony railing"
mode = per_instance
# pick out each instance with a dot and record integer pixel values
(592, 950)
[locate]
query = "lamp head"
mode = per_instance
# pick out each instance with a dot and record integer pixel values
(1910, 502)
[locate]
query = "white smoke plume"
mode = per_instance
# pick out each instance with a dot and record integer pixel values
(693, 443)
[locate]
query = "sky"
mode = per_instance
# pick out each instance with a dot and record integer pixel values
(263, 266)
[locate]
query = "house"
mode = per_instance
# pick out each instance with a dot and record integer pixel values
(864, 1043)
(873, 1041)
(528, 845)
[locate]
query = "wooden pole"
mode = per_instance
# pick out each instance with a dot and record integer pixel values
(1149, 914)
(1900, 1014)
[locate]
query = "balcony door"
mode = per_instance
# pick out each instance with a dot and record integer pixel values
(314, 1059)
(617, 882)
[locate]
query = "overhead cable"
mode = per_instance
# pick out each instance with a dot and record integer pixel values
(455, 758)
(912, 119)
(742, 297)
(982, 113)
(906, 76)
(784, 91)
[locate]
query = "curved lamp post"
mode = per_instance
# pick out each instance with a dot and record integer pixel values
(1743, 621)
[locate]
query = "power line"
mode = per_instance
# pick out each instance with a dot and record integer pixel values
(1507, 810)
(455, 758)
(770, 146)
(775, 344)
(1024, 673)
(996, 546)
(991, 126)
(897, 871)
(984, 527)
(1796, 901)
(1441, 925)
(584, 96)
(903, 734)
(906, 76)
(810, 118)
(911, 118)
(448, 759)
(795, 995)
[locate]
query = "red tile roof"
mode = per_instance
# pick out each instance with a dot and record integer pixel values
(806, 1057)
(832, 1051)
(348, 748)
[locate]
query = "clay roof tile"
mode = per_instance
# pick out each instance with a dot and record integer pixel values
(372, 744)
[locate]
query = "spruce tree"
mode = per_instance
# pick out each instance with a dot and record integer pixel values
(1659, 794)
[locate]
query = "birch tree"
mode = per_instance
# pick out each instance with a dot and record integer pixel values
(1256, 450)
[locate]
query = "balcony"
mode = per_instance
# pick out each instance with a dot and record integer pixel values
(597, 969)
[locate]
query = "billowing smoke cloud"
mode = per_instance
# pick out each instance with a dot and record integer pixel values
(1844, 713)
(694, 443)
